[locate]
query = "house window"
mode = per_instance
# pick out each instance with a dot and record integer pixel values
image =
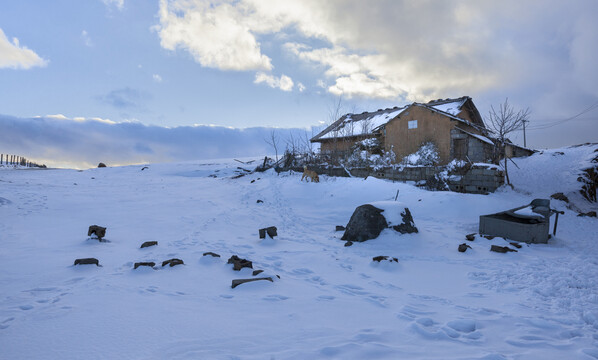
(412, 124)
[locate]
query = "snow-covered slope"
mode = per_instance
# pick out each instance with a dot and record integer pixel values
(331, 301)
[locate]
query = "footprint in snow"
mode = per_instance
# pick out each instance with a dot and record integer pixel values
(5, 324)
(275, 297)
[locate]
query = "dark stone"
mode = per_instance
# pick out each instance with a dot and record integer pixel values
(560, 196)
(172, 262)
(408, 226)
(348, 243)
(260, 201)
(463, 247)
(271, 231)
(340, 228)
(101, 165)
(237, 282)
(257, 272)
(384, 257)
(239, 263)
(143, 168)
(366, 223)
(589, 214)
(99, 231)
(515, 245)
(148, 244)
(87, 261)
(501, 249)
(211, 254)
(149, 263)
(252, 181)
(489, 237)
(470, 237)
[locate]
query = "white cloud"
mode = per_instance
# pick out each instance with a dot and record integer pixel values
(301, 87)
(157, 78)
(218, 36)
(15, 56)
(283, 83)
(119, 4)
(394, 49)
(86, 39)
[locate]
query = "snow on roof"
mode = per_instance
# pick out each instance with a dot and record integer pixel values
(479, 137)
(451, 106)
(360, 124)
(368, 122)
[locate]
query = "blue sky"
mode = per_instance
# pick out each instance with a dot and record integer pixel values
(251, 63)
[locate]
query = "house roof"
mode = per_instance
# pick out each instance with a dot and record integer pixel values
(350, 125)
(368, 123)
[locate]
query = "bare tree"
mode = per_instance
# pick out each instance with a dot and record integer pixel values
(502, 122)
(273, 141)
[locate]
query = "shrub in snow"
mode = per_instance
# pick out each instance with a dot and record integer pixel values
(369, 153)
(426, 155)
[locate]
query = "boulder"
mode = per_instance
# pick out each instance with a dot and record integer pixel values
(100, 165)
(589, 214)
(560, 196)
(237, 282)
(172, 262)
(239, 263)
(515, 245)
(96, 230)
(348, 243)
(271, 231)
(148, 244)
(149, 263)
(463, 247)
(407, 226)
(470, 237)
(384, 257)
(209, 253)
(257, 272)
(501, 249)
(368, 221)
(87, 261)
(340, 228)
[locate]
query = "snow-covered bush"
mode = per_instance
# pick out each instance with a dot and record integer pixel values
(426, 155)
(369, 153)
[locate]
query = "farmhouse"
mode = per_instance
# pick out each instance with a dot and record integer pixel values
(453, 125)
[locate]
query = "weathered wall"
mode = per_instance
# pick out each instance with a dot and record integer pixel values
(476, 180)
(476, 150)
(431, 126)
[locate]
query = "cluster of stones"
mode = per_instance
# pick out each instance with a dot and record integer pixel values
(499, 249)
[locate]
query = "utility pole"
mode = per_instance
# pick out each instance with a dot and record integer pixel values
(524, 143)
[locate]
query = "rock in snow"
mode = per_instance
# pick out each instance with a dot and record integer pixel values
(368, 221)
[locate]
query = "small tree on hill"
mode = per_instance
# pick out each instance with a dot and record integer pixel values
(504, 121)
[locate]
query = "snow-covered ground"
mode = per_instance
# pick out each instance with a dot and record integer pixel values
(331, 301)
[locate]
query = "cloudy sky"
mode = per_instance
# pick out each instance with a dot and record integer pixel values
(138, 77)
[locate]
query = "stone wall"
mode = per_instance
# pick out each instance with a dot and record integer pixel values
(475, 180)
(478, 180)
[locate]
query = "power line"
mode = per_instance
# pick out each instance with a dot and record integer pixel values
(558, 122)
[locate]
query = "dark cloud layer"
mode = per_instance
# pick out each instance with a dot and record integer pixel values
(68, 143)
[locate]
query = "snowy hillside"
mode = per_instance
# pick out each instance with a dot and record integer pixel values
(331, 301)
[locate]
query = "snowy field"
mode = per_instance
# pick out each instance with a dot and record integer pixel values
(331, 301)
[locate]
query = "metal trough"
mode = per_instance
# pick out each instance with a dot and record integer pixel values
(527, 223)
